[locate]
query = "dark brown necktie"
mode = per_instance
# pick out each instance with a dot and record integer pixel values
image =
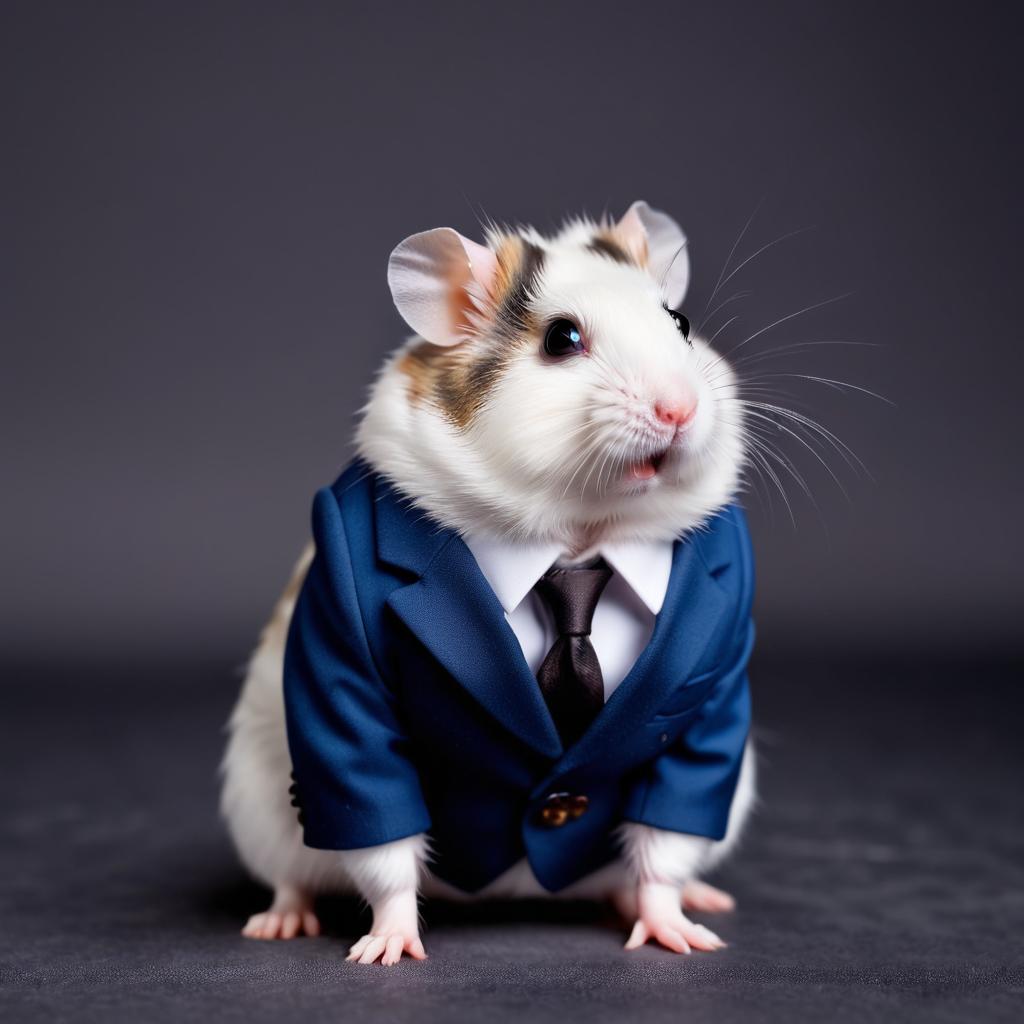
(570, 675)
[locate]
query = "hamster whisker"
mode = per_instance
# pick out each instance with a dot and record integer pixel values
(764, 445)
(731, 320)
(586, 481)
(783, 459)
(755, 385)
(616, 466)
(806, 444)
(602, 486)
(580, 428)
(668, 269)
(589, 451)
(781, 238)
(612, 377)
(732, 298)
(782, 350)
(811, 425)
(747, 481)
(600, 463)
(779, 396)
(587, 459)
(728, 259)
(839, 385)
(602, 459)
(814, 429)
(757, 451)
(781, 320)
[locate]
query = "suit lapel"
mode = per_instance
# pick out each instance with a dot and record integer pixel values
(453, 612)
(694, 606)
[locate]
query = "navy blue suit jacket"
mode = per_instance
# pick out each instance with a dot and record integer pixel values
(411, 708)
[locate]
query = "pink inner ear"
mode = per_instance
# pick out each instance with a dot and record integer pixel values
(633, 234)
(483, 264)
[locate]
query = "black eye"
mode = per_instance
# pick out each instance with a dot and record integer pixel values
(563, 338)
(681, 322)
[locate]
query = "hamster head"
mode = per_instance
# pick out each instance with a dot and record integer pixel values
(554, 389)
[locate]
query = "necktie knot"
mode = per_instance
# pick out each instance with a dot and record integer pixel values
(571, 595)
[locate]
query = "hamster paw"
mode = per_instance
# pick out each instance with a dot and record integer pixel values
(660, 917)
(678, 934)
(290, 914)
(395, 930)
(706, 898)
(387, 947)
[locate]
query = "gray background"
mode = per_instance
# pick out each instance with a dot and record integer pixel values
(199, 201)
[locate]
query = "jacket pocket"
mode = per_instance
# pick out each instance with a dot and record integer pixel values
(687, 697)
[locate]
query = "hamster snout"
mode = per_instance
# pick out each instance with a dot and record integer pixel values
(677, 411)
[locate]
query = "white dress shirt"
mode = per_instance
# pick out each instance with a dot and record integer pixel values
(624, 617)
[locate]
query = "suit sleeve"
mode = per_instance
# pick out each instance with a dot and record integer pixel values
(689, 788)
(356, 782)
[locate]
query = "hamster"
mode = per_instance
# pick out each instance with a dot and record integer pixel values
(552, 393)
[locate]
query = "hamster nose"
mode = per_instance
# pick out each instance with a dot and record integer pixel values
(675, 412)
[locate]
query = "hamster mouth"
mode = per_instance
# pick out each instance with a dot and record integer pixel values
(647, 468)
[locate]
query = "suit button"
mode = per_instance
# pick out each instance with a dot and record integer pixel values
(559, 808)
(553, 817)
(578, 806)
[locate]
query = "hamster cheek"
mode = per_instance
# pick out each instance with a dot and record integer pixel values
(534, 423)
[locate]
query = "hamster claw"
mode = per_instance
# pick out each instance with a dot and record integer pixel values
(387, 948)
(290, 915)
(660, 918)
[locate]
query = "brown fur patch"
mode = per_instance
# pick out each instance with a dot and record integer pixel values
(609, 243)
(440, 376)
(458, 379)
(604, 245)
(419, 367)
(520, 268)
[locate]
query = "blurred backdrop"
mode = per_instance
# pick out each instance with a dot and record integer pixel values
(199, 202)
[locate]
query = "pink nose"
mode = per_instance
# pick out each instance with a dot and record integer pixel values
(675, 412)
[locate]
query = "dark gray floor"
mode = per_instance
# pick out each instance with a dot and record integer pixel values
(883, 878)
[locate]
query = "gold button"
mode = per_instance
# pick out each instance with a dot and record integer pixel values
(554, 817)
(578, 805)
(562, 807)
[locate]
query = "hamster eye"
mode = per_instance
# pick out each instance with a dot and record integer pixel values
(682, 324)
(563, 338)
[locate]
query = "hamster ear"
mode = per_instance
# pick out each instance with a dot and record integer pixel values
(433, 278)
(656, 240)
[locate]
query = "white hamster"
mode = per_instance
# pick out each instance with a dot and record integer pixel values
(641, 443)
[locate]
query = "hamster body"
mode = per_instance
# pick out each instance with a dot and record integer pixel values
(552, 394)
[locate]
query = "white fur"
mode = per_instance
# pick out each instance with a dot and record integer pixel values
(544, 459)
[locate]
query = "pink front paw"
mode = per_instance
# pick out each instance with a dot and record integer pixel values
(660, 917)
(387, 947)
(395, 931)
(291, 914)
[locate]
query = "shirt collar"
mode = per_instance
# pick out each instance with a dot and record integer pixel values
(646, 566)
(512, 567)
